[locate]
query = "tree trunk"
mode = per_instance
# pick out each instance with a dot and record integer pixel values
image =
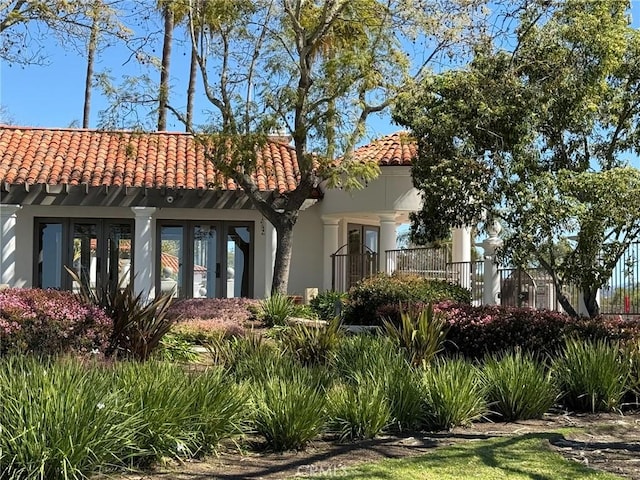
(590, 298)
(283, 224)
(164, 71)
(91, 55)
(191, 88)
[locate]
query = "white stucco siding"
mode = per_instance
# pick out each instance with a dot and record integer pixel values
(307, 257)
(392, 191)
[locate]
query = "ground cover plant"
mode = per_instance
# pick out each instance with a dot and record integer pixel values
(50, 321)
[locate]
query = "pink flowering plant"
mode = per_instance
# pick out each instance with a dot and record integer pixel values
(202, 320)
(50, 322)
(490, 329)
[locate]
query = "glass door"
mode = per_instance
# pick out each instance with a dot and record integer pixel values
(172, 255)
(238, 262)
(206, 263)
(85, 258)
(119, 254)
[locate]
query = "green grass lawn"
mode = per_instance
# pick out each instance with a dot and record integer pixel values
(521, 457)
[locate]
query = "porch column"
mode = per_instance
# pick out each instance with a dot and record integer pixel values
(143, 258)
(461, 255)
(329, 247)
(8, 219)
(271, 243)
(387, 241)
(491, 288)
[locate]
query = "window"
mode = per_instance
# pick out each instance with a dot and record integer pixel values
(98, 250)
(205, 259)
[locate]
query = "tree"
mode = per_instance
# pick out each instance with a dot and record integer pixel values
(537, 136)
(315, 68)
(168, 15)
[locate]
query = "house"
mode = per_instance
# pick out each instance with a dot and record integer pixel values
(149, 208)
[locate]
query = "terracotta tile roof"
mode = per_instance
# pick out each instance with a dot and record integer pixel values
(57, 156)
(395, 149)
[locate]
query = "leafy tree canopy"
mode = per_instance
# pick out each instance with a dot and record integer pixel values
(538, 135)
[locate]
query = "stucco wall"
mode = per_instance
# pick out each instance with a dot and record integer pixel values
(392, 191)
(306, 260)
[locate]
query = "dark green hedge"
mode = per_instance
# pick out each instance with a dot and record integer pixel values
(381, 296)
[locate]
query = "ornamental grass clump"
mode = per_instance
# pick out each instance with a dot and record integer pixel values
(184, 414)
(454, 393)
(419, 334)
(367, 356)
(359, 409)
(593, 375)
(275, 310)
(290, 408)
(312, 344)
(517, 386)
(62, 420)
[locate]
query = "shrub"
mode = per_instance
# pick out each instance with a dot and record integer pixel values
(592, 374)
(276, 309)
(62, 421)
(312, 345)
(50, 322)
(517, 386)
(358, 410)
(420, 334)
(138, 325)
(388, 292)
(290, 408)
(493, 329)
(454, 393)
(325, 304)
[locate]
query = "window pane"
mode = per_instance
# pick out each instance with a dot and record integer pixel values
(50, 255)
(172, 260)
(371, 239)
(85, 257)
(204, 261)
(238, 256)
(119, 255)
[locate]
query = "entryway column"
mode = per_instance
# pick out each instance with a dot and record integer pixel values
(143, 258)
(387, 241)
(8, 220)
(491, 288)
(329, 247)
(271, 243)
(461, 255)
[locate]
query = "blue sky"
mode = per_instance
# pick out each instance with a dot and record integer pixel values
(51, 95)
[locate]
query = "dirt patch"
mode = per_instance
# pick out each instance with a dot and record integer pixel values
(603, 441)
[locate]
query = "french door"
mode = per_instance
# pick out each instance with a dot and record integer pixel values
(99, 251)
(205, 259)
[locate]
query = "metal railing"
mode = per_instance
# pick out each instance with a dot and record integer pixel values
(349, 268)
(621, 295)
(425, 262)
(518, 287)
